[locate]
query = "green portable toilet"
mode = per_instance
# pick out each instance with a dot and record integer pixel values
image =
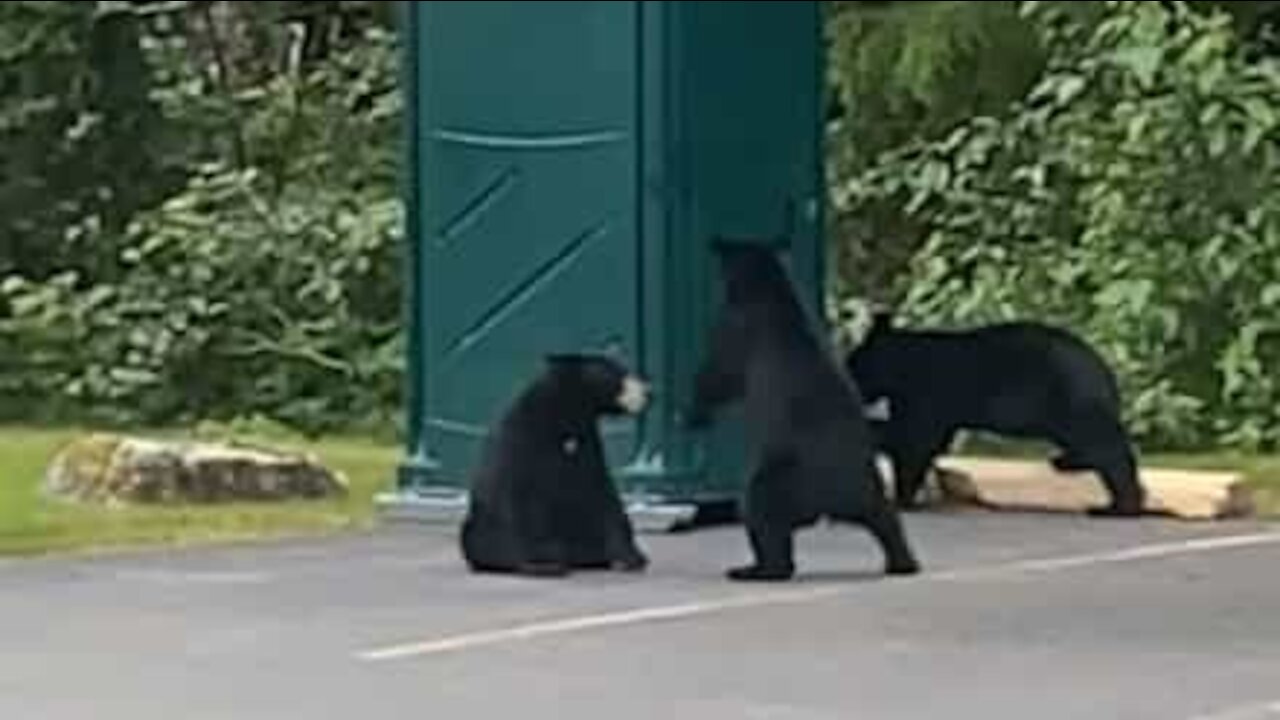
(569, 163)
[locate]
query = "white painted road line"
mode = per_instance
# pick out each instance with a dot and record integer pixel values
(671, 612)
(193, 577)
(1140, 552)
(1255, 711)
(587, 622)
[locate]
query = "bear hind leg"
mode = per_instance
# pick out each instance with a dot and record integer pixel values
(484, 551)
(885, 525)
(613, 548)
(770, 525)
(1119, 472)
(772, 548)
(587, 554)
(912, 450)
(1065, 462)
(1098, 442)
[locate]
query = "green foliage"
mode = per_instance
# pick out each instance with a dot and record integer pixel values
(902, 72)
(198, 202)
(913, 69)
(262, 277)
(74, 113)
(1133, 196)
(905, 71)
(234, 302)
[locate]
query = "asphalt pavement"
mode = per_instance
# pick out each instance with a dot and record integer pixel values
(1034, 617)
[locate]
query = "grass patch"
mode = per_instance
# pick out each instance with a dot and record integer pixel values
(30, 523)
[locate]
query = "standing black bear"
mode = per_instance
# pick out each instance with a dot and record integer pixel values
(1018, 379)
(816, 459)
(542, 501)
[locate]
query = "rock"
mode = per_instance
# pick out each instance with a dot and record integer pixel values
(109, 469)
(1031, 485)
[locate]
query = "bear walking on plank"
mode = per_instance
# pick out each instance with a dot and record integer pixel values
(542, 501)
(816, 459)
(1018, 379)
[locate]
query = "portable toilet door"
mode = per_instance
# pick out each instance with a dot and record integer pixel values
(568, 163)
(744, 88)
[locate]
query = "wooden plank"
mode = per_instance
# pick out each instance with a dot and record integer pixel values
(1034, 486)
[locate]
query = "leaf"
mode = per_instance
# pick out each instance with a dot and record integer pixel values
(1219, 141)
(1142, 62)
(14, 284)
(1262, 113)
(1068, 88)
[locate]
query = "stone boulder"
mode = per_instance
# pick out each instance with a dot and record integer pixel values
(109, 469)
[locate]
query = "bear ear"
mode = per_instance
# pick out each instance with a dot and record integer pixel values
(732, 251)
(779, 243)
(721, 245)
(562, 359)
(612, 349)
(881, 319)
(764, 243)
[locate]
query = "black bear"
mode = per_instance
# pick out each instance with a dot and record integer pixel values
(1017, 379)
(542, 501)
(804, 417)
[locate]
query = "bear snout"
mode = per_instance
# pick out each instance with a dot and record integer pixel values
(634, 396)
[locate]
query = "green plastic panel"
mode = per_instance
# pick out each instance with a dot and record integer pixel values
(748, 89)
(569, 163)
(529, 208)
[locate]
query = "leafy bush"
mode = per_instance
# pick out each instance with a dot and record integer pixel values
(1132, 195)
(911, 70)
(268, 286)
(233, 303)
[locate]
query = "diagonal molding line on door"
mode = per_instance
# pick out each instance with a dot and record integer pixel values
(478, 206)
(526, 289)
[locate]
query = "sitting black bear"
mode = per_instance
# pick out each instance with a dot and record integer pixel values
(542, 501)
(1017, 379)
(805, 419)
